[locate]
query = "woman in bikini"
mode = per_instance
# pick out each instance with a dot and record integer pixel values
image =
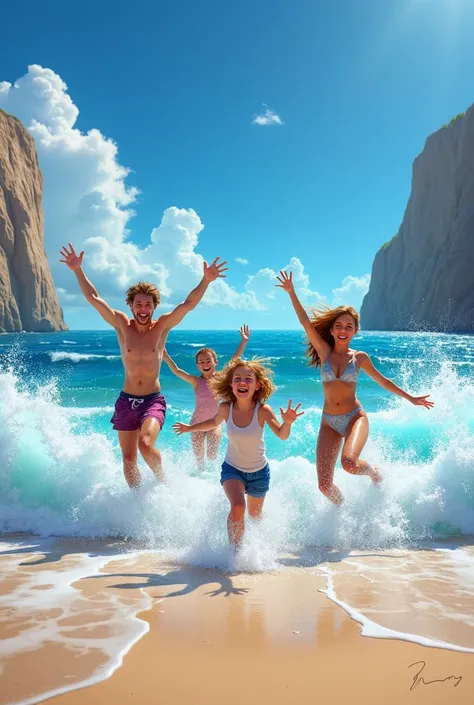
(205, 442)
(344, 421)
(243, 387)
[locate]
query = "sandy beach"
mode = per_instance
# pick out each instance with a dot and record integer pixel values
(111, 626)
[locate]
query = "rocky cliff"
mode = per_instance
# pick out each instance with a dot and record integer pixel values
(28, 299)
(423, 278)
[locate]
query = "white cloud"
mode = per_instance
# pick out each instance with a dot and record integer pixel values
(267, 117)
(301, 281)
(262, 285)
(264, 282)
(64, 297)
(352, 291)
(87, 202)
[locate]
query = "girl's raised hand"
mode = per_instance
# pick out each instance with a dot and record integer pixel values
(245, 332)
(180, 428)
(422, 401)
(286, 281)
(290, 415)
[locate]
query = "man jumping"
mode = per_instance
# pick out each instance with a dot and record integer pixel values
(140, 408)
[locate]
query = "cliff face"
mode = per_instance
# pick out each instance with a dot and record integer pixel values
(424, 277)
(28, 299)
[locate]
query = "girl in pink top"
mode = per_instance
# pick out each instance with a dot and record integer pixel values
(206, 403)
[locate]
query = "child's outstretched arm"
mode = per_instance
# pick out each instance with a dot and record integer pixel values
(367, 365)
(289, 416)
(244, 339)
(320, 345)
(191, 379)
(209, 425)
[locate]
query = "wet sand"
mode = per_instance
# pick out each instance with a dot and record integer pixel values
(172, 634)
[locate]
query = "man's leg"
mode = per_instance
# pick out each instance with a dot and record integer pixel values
(146, 445)
(129, 444)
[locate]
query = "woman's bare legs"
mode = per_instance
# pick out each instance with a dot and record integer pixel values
(356, 438)
(327, 450)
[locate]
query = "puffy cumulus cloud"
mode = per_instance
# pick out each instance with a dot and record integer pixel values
(241, 260)
(351, 291)
(307, 295)
(266, 118)
(263, 284)
(87, 202)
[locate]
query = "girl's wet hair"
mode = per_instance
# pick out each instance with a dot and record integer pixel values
(323, 319)
(210, 351)
(221, 383)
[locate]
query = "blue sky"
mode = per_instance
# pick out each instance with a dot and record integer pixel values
(358, 85)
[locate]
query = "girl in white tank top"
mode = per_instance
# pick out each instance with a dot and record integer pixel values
(245, 445)
(243, 387)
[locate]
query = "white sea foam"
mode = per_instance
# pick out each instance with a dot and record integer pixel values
(65, 481)
(406, 576)
(38, 596)
(88, 410)
(79, 357)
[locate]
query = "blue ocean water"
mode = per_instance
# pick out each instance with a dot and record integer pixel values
(60, 469)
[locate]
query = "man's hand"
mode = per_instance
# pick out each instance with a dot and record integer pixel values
(73, 261)
(245, 333)
(286, 282)
(214, 271)
(290, 415)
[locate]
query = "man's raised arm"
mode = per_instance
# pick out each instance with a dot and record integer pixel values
(211, 273)
(74, 262)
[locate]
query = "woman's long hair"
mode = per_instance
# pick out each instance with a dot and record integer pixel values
(221, 382)
(322, 320)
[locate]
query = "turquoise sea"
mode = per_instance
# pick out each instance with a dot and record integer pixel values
(60, 469)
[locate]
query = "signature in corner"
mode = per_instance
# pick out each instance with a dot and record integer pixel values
(417, 679)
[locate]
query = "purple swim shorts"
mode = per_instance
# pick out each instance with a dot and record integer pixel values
(132, 410)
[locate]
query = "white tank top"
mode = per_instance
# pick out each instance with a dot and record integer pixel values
(245, 446)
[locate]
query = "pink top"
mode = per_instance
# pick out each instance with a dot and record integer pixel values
(206, 403)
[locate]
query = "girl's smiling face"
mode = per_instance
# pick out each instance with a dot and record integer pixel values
(343, 329)
(244, 383)
(206, 364)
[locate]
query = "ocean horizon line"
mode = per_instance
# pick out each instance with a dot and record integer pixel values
(233, 329)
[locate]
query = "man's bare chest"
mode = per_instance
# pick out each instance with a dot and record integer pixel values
(140, 347)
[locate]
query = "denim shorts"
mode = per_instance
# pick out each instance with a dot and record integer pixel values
(256, 483)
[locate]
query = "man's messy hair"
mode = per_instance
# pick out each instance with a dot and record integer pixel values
(143, 288)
